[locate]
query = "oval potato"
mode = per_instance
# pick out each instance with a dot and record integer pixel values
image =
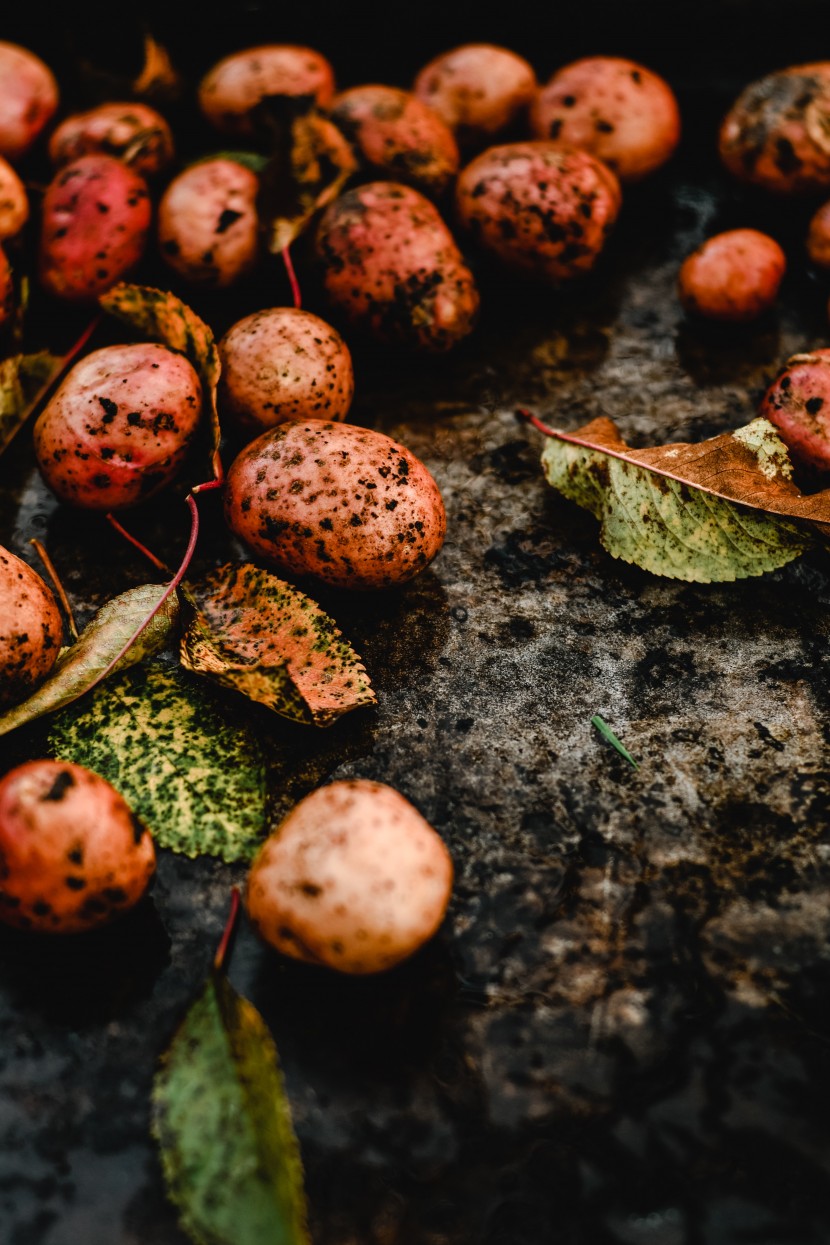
(31, 629)
(208, 227)
(230, 91)
(14, 203)
(132, 132)
(478, 89)
(28, 99)
(733, 276)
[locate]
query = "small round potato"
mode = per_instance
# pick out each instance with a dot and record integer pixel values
(6, 289)
(281, 364)
(542, 209)
(348, 505)
(354, 878)
(30, 629)
(208, 226)
(732, 276)
(818, 237)
(132, 132)
(230, 91)
(28, 99)
(478, 89)
(798, 403)
(74, 855)
(619, 111)
(14, 204)
(119, 426)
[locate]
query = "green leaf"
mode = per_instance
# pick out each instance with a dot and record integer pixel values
(190, 770)
(23, 379)
(719, 511)
(161, 316)
(80, 665)
(223, 1124)
(250, 631)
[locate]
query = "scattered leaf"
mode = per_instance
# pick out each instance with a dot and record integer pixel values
(606, 732)
(23, 379)
(718, 511)
(223, 1124)
(158, 79)
(250, 631)
(190, 770)
(79, 666)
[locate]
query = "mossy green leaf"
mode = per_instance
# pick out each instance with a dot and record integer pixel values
(223, 1124)
(24, 378)
(193, 772)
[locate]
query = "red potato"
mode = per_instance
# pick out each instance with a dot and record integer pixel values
(96, 215)
(348, 505)
(540, 208)
(393, 268)
(6, 289)
(732, 276)
(398, 136)
(119, 426)
(132, 132)
(230, 91)
(777, 133)
(281, 364)
(74, 855)
(818, 237)
(478, 89)
(14, 204)
(28, 99)
(354, 878)
(798, 403)
(622, 113)
(208, 227)
(31, 630)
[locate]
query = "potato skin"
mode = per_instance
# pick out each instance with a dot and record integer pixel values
(776, 133)
(733, 276)
(622, 113)
(393, 269)
(345, 504)
(818, 237)
(74, 855)
(353, 878)
(798, 403)
(542, 209)
(398, 136)
(119, 426)
(132, 132)
(6, 289)
(233, 87)
(31, 630)
(478, 89)
(28, 99)
(208, 227)
(284, 363)
(96, 214)
(14, 203)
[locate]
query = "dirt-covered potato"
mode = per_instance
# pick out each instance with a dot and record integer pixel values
(348, 505)
(353, 878)
(208, 227)
(232, 89)
(543, 209)
(14, 203)
(777, 133)
(393, 269)
(30, 629)
(28, 99)
(96, 214)
(622, 113)
(133, 132)
(798, 403)
(398, 136)
(6, 289)
(119, 426)
(74, 855)
(818, 237)
(284, 363)
(732, 276)
(478, 89)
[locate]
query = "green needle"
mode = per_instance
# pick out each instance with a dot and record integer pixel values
(606, 732)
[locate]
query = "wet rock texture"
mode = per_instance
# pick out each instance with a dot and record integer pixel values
(620, 1036)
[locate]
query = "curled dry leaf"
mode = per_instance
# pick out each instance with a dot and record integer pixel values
(24, 379)
(158, 78)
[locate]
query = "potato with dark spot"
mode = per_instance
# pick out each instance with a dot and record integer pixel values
(345, 504)
(397, 136)
(132, 132)
(354, 878)
(393, 269)
(733, 276)
(31, 630)
(28, 99)
(14, 203)
(73, 854)
(96, 215)
(208, 227)
(798, 403)
(119, 427)
(479, 90)
(542, 209)
(6, 289)
(284, 363)
(777, 133)
(231, 90)
(818, 237)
